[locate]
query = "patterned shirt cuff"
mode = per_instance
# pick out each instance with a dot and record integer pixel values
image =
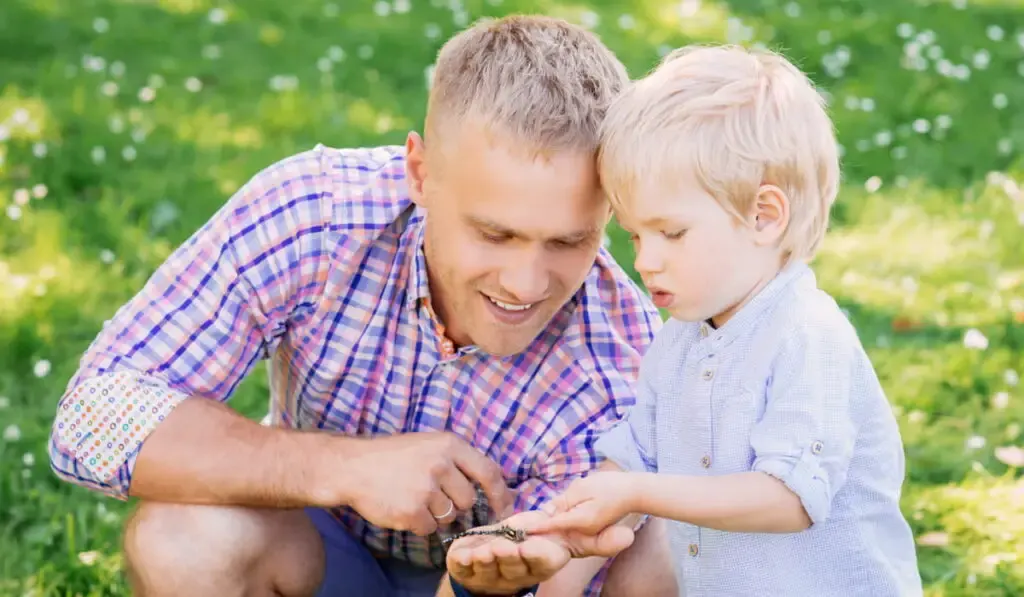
(101, 424)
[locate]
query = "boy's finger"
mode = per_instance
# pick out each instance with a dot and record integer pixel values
(580, 518)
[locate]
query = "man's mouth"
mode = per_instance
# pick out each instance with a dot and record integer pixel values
(512, 314)
(510, 306)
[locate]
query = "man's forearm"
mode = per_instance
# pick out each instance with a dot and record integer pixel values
(205, 453)
(745, 502)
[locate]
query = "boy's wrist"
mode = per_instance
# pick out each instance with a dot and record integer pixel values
(641, 488)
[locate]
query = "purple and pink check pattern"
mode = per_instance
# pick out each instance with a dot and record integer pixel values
(316, 265)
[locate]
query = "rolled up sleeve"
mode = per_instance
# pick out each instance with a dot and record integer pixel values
(806, 436)
(632, 442)
(198, 326)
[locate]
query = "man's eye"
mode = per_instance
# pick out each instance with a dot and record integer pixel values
(494, 238)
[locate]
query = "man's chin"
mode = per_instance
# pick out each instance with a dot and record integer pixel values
(503, 347)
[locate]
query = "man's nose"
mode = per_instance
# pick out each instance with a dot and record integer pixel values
(526, 282)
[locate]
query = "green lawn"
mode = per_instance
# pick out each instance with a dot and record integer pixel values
(125, 123)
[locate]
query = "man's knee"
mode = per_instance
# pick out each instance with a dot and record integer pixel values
(646, 568)
(210, 550)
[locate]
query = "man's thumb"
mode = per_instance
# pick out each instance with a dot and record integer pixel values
(612, 540)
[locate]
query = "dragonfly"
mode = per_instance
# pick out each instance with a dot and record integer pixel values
(512, 534)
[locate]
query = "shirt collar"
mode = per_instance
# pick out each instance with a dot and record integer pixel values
(419, 286)
(758, 306)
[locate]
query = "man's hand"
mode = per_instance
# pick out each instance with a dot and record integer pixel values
(496, 566)
(591, 505)
(413, 481)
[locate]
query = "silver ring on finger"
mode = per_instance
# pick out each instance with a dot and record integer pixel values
(451, 508)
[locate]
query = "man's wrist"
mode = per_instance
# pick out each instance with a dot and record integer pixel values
(336, 455)
(461, 591)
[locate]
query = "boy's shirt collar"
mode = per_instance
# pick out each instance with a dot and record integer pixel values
(760, 304)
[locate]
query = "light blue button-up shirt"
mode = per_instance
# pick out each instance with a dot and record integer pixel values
(786, 388)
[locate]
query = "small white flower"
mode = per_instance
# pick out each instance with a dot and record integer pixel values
(41, 368)
(975, 442)
(217, 16)
(28, 459)
(974, 339)
(1010, 455)
(1011, 378)
(12, 433)
(39, 191)
(1000, 400)
(5, 402)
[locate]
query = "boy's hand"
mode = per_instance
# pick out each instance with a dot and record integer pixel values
(591, 504)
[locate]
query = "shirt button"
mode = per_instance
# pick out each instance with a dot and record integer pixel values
(704, 330)
(708, 374)
(694, 549)
(706, 461)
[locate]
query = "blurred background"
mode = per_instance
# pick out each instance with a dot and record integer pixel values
(124, 124)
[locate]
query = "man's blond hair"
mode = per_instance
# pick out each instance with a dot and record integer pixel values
(736, 119)
(542, 81)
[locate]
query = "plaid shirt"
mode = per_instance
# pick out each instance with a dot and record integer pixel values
(316, 264)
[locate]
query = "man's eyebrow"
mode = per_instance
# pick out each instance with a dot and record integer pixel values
(572, 237)
(580, 235)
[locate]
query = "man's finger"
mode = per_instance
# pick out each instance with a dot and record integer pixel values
(458, 488)
(486, 473)
(423, 523)
(511, 566)
(485, 565)
(442, 508)
(543, 558)
(607, 543)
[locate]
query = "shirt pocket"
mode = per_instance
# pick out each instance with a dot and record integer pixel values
(735, 411)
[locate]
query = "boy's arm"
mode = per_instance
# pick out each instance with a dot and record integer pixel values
(802, 447)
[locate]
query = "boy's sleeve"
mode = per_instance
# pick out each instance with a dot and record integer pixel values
(632, 442)
(807, 433)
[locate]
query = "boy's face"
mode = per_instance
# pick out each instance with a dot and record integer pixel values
(696, 259)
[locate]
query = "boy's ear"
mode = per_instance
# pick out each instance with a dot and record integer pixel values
(771, 215)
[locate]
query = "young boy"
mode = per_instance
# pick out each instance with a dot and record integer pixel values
(761, 431)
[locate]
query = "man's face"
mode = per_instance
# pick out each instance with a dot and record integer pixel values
(508, 239)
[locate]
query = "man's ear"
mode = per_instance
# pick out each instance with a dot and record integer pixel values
(416, 167)
(770, 215)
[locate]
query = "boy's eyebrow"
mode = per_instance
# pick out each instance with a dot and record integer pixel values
(660, 221)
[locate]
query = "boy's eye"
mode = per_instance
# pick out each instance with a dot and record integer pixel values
(674, 234)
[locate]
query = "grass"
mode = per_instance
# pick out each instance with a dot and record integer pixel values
(125, 123)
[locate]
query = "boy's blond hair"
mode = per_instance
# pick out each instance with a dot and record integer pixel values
(736, 118)
(542, 81)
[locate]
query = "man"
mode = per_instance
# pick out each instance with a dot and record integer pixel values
(443, 326)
